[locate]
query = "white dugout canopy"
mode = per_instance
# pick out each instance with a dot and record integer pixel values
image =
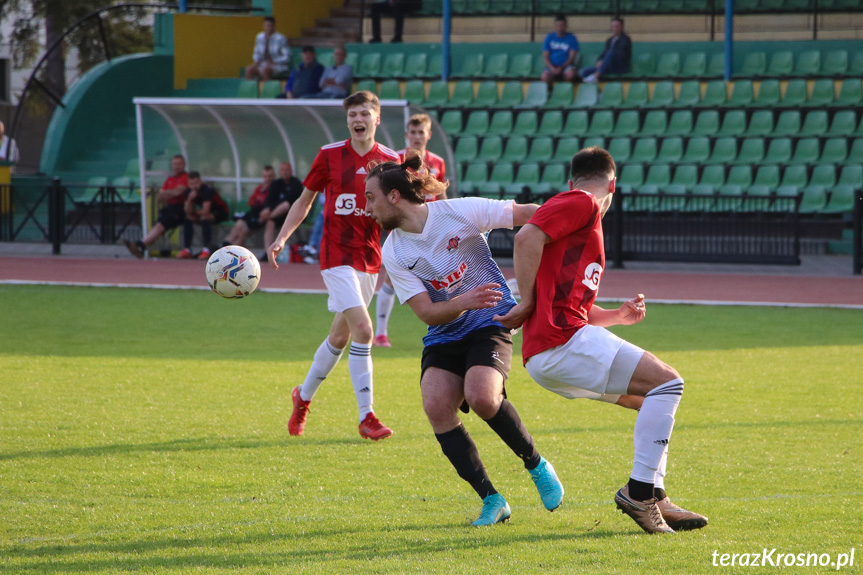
(229, 141)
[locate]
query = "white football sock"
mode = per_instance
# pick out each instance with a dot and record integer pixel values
(360, 366)
(325, 360)
(653, 428)
(659, 479)
(384, 308)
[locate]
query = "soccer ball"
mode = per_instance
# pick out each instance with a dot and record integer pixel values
(233, 272)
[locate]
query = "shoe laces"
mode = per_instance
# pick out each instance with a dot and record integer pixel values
(654, 513)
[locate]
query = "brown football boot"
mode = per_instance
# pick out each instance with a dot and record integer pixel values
(645, 513)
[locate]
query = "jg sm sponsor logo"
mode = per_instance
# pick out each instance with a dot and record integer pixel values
(346, 204)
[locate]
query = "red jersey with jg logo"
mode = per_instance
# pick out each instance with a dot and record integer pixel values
(351, 237)
(569, 272)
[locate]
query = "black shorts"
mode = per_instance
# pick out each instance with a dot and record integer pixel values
(252, 219)
(490, 346)
(172, 215)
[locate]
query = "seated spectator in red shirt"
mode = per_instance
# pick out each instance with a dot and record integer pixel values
(173, 196)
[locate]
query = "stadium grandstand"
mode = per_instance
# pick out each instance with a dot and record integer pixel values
(761, 151)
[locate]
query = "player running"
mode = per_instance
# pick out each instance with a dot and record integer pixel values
(350, 259)
(418, 134)
(559, 260)
(441, 266)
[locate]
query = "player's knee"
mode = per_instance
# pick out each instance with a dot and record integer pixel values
(483, 404)
(339, 340)
(362, 332)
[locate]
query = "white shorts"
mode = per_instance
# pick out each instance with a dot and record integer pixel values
(594, 363)
(348, 288)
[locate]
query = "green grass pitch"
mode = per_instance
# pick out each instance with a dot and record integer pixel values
(145, 431)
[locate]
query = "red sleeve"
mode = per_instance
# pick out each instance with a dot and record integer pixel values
(319, 174)
(564, 214)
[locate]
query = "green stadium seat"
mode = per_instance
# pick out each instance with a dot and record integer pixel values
(467, 149)
(471, 66)
(760, 124)
(841, 199)
(438, 94)
(655, 123)
(712, 176)
(511, 95)
(733, 123)
(370, 65)
(779, 151)
(646, 199)
(555, 175)
(528, 173)
(415, 65)
(612, 95)
(754, 64)
(697, 150)
(415, 92)
(627, 124)
(668, 65)
(551, 124)
(520, 66)
(451, 123)
(561, 96)
(248, 89)
(577, 123)
(393, 65)
(788, 124)
(742, 94)
(637, 96)
(490, 190)
(781, 64)
(855, 154)
(724, 151)
(476, 172)
(644, 151)
(390, 90)
(631, 178)
(716, 65)
(680, 123)
(536, 95)
(541, 149)
(835, 63)
(586, 97)
(272, 88)
(795, 93)
(601, 124)
(815, 124)
(643, 64)
(851, 176)
(767, 176)
(835, 151)
(674, 197)
(663, 95)
(694, 65)
(706, 124)
(526, 124)
(850, 93)
(855, 66)
(658, 175)
(685, 175)
(435, 66)
(823, 93)
(486, 95)
(90, 193)
(495, 66)
(368, 85)
(806, 151)
(515, 150)
(740, 176)
(671, 151)
(794, 176)
(501, 123)
(843, 123)
(566, 149)
(462, 95)
(491, 149)
(859, 130)
(769, 94)
(808, 63)
(352, 59)
(715, 94)
(503, 173)
(751, 151)
(620, 149)
(823, 175)
(814, 199)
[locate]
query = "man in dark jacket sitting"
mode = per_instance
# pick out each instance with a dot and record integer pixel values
(616, 58)
(305, 79)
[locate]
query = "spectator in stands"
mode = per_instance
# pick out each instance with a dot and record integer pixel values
(616, 58)
(311, 251)
(173, 196)
(8, 148)
(258, 213)
(204, 206)
(271, 56)
(305, 80)
(560, 53)
(283, 193)
(336, 80)
(398, 9)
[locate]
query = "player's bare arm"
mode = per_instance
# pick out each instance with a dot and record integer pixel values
(299, 210)
(443, 312)
(521, 213)
(280, 210)
(527, 255)
(630, 312)
(166, 194)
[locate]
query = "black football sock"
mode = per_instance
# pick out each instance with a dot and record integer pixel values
(507, 424)
(659, 493)
(460, 449)
(639, 490)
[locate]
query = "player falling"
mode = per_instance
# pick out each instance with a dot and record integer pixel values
(350, 259)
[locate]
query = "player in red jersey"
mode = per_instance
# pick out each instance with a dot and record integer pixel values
(350, 259)
(418, 133)
(173, 196)
(559, 259)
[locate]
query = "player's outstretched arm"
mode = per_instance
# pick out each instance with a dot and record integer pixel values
(298, 212)
(630, 312)
(521, 213)
(438, 313)
(527, 254)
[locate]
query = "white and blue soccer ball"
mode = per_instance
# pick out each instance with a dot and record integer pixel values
(233, 272)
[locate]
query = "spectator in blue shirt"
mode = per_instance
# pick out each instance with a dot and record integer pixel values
(560, 53)
(336, 80)
(616, 58)
(305, 80)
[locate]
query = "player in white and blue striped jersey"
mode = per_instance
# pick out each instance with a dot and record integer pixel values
(440, 265)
